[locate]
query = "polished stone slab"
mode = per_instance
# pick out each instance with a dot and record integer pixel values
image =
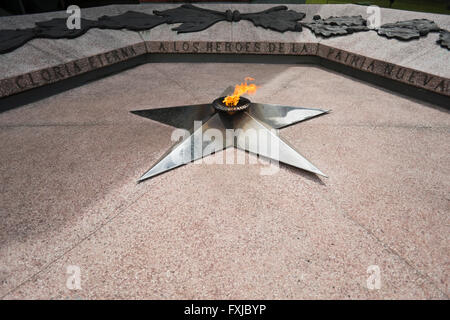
(70, 162)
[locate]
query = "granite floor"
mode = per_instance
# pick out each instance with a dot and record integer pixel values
(69, 197)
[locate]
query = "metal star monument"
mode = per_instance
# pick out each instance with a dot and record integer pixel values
(265, 118)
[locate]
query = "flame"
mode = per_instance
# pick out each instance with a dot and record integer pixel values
(239, 90)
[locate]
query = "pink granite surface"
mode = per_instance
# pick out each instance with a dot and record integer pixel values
(69, 166)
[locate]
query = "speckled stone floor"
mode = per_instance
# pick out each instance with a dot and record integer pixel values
(69, 166)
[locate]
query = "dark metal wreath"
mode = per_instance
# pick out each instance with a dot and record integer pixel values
(194, 19)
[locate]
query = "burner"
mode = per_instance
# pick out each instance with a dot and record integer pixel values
(219, 105)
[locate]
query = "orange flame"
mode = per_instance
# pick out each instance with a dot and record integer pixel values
(239, 90)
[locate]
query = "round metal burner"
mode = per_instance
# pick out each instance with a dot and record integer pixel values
(243, 104)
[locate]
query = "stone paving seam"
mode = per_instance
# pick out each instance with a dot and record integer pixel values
(107, 220)
(387, 247)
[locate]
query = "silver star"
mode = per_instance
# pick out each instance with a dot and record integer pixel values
(260, 117)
